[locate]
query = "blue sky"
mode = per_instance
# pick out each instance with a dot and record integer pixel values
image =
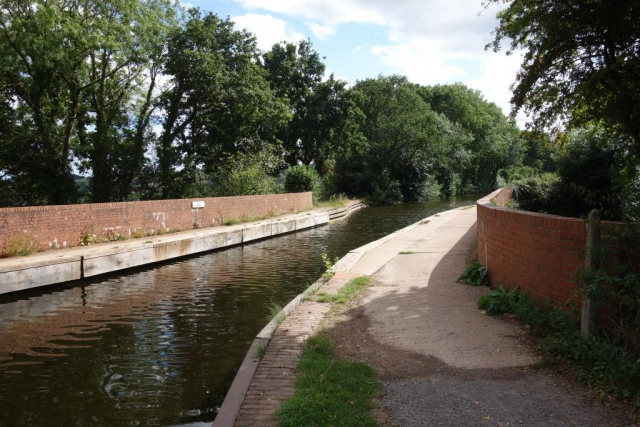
(431, 42)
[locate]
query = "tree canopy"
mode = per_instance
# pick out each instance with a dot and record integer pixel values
(147, 100)
(581, 62)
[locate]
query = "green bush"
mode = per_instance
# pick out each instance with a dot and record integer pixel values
(506, 177)
(610, 369)
(475, 275)
(538, 194)
(499, 301)
(591, 175)
(301, 178)
(246, 174)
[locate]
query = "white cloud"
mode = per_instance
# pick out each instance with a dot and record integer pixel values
(422, 61)
(267, 29)
(322, 32)
(434, 41)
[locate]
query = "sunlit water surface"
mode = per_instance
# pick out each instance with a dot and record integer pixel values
(160, 346)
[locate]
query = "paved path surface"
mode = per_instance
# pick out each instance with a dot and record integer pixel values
(441, 360)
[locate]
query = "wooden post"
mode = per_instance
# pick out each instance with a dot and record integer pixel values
(592, 263)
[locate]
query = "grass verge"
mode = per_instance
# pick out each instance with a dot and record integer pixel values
(348, 292)
(330, 391)
(335, 202)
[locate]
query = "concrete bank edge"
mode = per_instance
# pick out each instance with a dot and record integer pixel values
(28, 274)
(230, 407)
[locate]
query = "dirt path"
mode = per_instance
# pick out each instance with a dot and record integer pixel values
(441, 360)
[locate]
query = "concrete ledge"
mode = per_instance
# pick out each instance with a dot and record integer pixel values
(345, 211)
(40, 275)
(53, 267)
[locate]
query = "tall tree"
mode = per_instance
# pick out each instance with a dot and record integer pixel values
(581, 61)
(295, 71)
(55, 57)
(219, 102)
(495, 143)
(116, 111)
(403, 139)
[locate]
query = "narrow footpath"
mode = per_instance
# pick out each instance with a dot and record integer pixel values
(442, 361)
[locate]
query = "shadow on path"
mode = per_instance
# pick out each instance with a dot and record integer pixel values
(441, 360)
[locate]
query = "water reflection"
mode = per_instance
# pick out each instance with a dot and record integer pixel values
(160, 346)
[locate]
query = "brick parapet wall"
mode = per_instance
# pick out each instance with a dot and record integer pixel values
(539, 253)
(63, 226)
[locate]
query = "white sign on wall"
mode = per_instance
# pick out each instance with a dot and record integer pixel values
(198, 204)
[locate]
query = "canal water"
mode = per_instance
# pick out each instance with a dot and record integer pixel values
(160, 346)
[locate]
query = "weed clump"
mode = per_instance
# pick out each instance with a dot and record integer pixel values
(609, 369)
(475, 275)
(21, 245)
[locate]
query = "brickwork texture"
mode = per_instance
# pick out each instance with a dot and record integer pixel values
(63, 226)
(539, 253)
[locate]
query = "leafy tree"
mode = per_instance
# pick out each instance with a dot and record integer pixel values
(581, 61)
(219, 100)
(294, 71)
(402, 140)
(116, 113)
(248, 173)
(324, 116)
(54, 55)
(494, 142)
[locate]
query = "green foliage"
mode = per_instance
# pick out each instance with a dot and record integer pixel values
(501, 300)
(90, 83)
(330, 391)
(219, 105)
(300, 178)
(490, 141)
(507, 177)
(276, 313)
(21, 245)
(608, 368)
(580, 64)
(246, 174)
(71, 74)
(615, 287)
(261, 349)
(588, 177)
(538, 194)
(476, 275)
(328, 266)
(348, 292)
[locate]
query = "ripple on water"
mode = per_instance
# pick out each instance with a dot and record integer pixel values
(161, 346)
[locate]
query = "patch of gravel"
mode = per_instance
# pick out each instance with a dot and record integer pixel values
(531, 400)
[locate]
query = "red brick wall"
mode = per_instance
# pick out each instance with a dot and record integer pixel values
(539, 253)
(62, 226)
